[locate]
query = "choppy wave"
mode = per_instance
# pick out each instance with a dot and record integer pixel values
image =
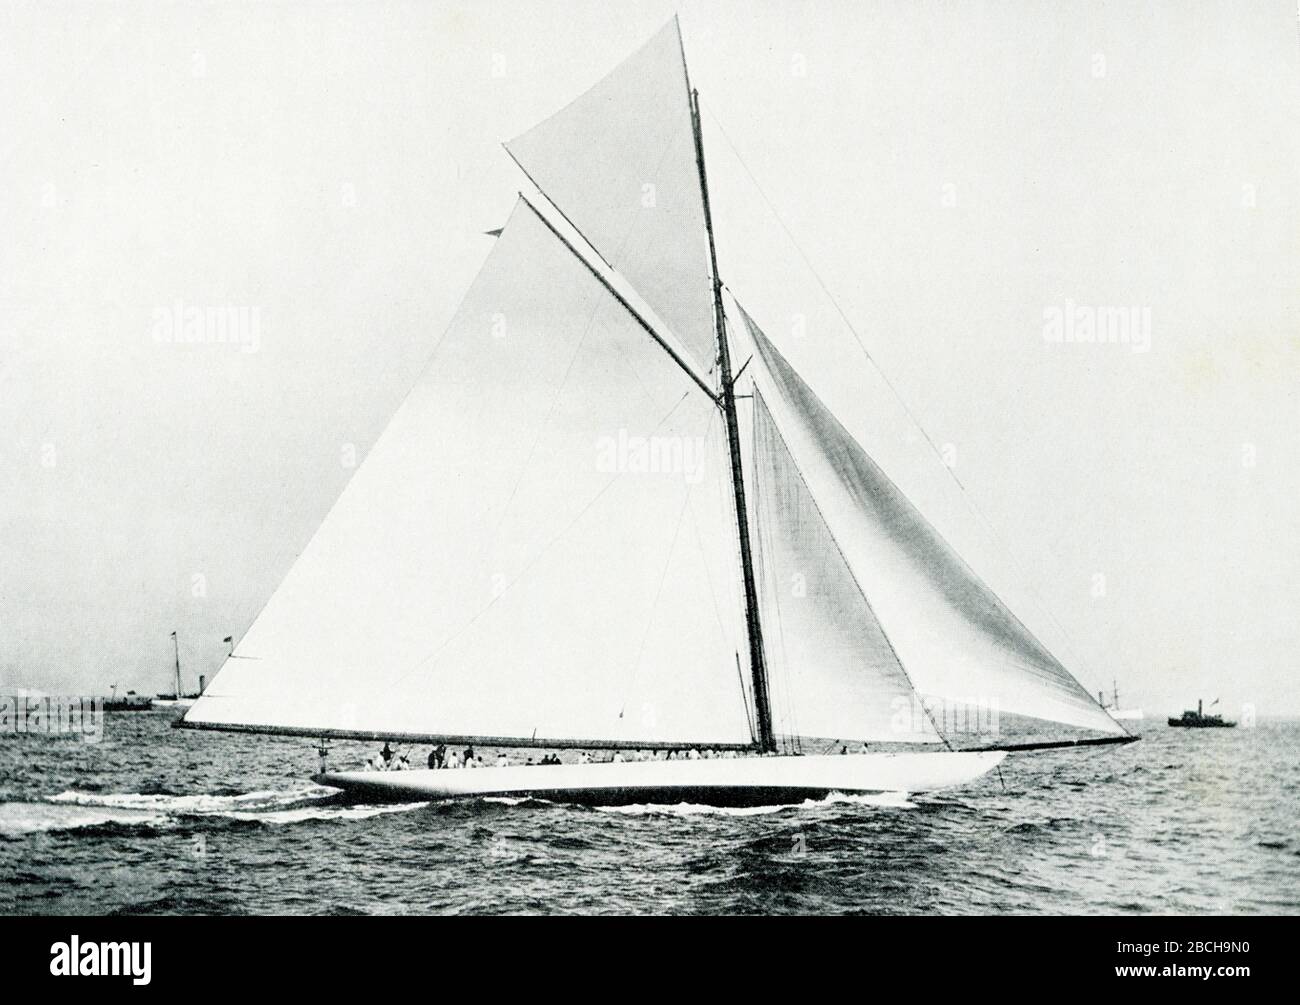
(892, 800)
(1214, 832)
(79, 810)
(199, 802)
(21, 819)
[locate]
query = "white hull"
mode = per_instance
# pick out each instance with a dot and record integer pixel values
(744, 781)
(172, 703)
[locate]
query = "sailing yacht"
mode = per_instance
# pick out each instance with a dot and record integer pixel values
(579, 530)
(1113, 707)
(177, 699)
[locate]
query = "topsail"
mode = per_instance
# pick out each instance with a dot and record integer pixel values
(619, 162)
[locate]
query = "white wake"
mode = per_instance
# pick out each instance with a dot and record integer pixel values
(74, 810)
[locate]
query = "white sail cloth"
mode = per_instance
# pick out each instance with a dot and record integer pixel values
(959, 645)
(538, 547)
(619, 162)
(831, 670)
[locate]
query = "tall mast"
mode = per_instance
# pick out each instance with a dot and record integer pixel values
(176, 643)
(727, 398)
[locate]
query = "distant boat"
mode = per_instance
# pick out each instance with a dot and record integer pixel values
(130, 702)
(169, 700)
(459, 593)
(177, 698)
(1113, 708)
(1200, 720)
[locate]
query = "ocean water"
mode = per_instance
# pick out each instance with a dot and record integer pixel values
(156, 820)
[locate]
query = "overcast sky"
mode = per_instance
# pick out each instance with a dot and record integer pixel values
(957, 175)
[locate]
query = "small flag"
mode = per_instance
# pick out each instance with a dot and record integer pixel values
(228, 638)
(493, 233)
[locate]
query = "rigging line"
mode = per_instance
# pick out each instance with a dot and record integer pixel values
(550, 412)
(829, 296)
(527, 568)
(744, 700)
(663, 577)
(965, 493)
(636, 375)
(794, 463)
(708, 576)
(636, 315)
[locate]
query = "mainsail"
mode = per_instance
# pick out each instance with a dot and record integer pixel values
(957, 642)
(537, 549)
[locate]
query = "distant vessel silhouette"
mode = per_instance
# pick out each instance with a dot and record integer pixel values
(177, 698)
(1113, 706)
(130, 702)
(1199, 719)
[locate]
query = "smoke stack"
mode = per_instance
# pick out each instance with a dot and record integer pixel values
(1200, 702)
(203, 682)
